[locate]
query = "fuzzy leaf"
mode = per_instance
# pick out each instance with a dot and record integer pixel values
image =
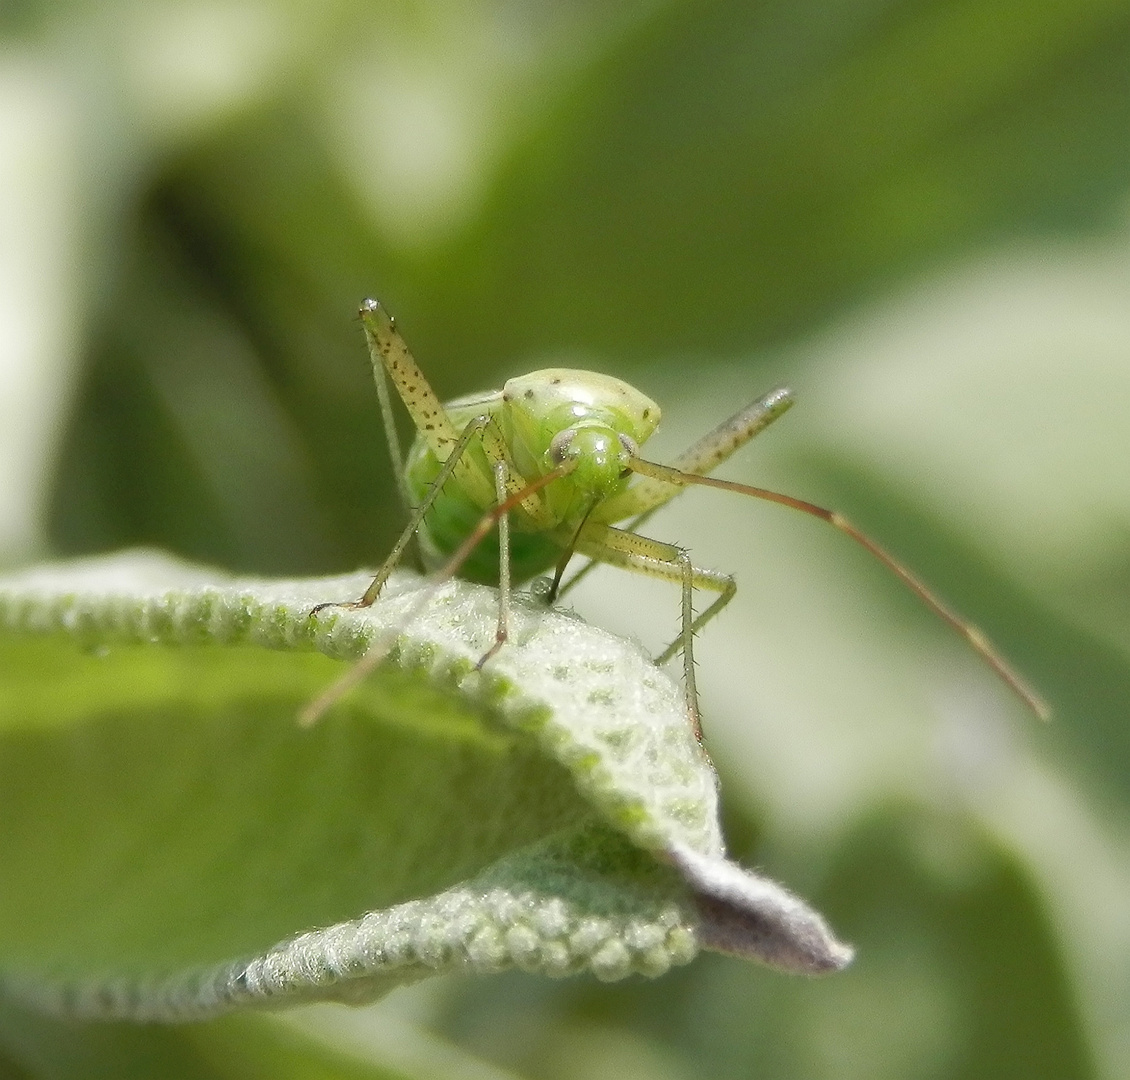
(170, 835)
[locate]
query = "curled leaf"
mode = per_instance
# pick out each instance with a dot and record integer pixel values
(175, 846)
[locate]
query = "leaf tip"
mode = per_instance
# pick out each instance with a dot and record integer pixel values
(744, 914)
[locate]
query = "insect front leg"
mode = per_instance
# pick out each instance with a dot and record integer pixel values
(380, 649)
(630, 551)
(502, 631)
(510, 489)
(473, 429)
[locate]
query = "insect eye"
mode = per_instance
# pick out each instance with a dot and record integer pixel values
(559, 447)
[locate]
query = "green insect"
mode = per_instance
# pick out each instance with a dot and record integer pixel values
(552, 459)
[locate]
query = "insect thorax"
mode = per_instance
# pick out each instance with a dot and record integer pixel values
(552, 415)
(543, 403)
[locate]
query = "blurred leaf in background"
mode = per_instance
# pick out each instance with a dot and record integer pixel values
(914, 212)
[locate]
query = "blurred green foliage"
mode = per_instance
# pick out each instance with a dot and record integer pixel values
(653, 189)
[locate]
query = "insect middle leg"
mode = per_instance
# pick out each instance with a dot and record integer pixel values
(630, 551)
(502, 629)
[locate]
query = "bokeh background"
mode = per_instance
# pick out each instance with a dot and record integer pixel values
(915, 212)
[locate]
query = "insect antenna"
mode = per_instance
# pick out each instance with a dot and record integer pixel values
(979, 642)
(383, 645)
